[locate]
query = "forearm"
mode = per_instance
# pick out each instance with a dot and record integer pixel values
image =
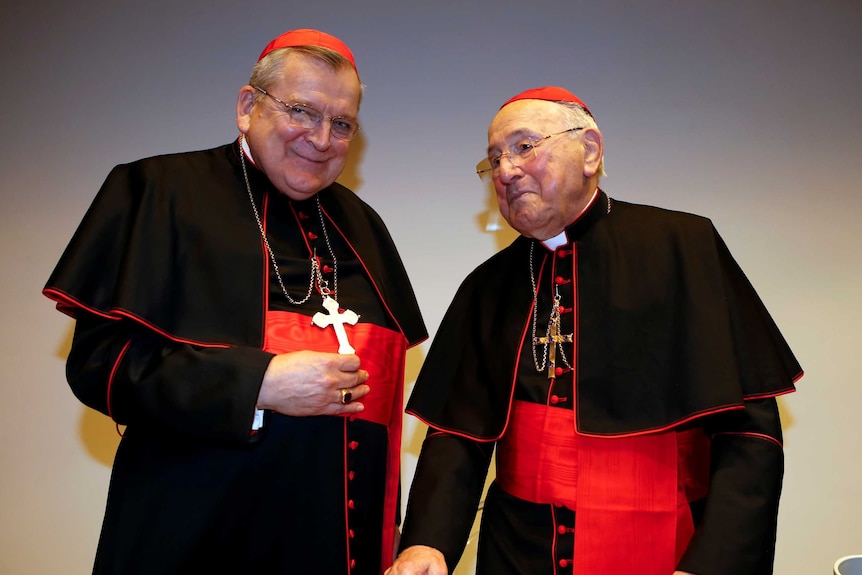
(153, 384)
(737, 533)
(445, 494)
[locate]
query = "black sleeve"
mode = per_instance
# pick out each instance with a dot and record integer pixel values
(155, 385)
(445, 494)
(736, 535)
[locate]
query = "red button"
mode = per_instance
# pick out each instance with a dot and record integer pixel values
(351, 534)
(558, 371)
(327, 270)
(351, 475)
(351, 504)
(555, 400)
(564, 563)
(312, 236)
(560, 280)
(561, 529)
(354, 444)
(352, 563)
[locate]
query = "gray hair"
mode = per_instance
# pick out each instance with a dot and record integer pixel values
(268, 71)
(577, 116)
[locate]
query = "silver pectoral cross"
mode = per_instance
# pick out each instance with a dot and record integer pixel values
(553, 339)
(337, 320)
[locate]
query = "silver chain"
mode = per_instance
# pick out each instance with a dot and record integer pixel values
(555, 315)
(322, 284)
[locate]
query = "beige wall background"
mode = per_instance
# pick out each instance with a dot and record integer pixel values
(744, 111)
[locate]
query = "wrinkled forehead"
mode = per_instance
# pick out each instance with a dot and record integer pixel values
(524, 118)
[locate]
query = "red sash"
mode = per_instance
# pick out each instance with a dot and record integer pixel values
(382, 354)
(630, 494)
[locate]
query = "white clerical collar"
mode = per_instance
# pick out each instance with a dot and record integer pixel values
(562, 239)
(558, 240)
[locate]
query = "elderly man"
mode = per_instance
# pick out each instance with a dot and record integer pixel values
(622, 365)
(246, 318)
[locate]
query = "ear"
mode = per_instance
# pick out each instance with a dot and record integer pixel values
(593, 151)
(244, 105)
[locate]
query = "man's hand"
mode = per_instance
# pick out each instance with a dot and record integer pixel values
(306, 383)
(419, 560)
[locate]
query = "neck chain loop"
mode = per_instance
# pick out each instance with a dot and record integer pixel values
(322, 284)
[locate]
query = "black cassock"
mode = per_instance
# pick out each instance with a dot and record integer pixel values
(668, 335)
(172, 290)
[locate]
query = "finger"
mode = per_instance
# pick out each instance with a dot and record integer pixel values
(359, 392)
(348, 362)
(346, 395)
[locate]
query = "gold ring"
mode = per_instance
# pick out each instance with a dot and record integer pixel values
(346, 396)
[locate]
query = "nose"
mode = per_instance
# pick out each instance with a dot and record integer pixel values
(320, 136)
(508, 170)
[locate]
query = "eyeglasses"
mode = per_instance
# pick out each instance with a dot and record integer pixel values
(519, 154)
(342, 127)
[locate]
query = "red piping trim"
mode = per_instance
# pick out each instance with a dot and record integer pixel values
(576, 317)
(761, 436)
(114, 369)
(346, 499)
(117, 314)
(369, 276)
(554, 544)
(264, 254)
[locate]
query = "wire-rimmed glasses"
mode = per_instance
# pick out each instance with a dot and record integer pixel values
(518, 154)
(304, 116)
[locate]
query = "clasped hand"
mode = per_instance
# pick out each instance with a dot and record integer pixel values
(304, 383)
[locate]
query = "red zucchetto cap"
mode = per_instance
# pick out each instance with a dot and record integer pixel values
(549, 93)
(308, 37)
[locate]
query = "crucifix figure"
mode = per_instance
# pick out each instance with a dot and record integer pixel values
(337, 321)
(553, 339)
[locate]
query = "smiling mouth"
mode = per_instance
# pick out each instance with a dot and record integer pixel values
(312, 160)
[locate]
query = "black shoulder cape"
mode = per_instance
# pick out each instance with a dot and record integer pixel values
(669, 329)
(167, 238)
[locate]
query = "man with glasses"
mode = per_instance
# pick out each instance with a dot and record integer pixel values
(246, 318)
(622, 366)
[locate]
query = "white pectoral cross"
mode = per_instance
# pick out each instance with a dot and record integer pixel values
(337, 321)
